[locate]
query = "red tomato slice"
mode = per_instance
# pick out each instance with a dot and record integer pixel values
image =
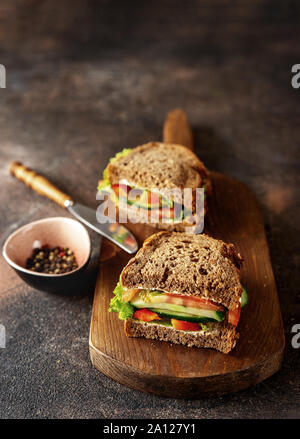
(129, 241)
(185, 326)
(145, 315)
(190, 301)
(234, 316)
(121, 189)
(115, 188)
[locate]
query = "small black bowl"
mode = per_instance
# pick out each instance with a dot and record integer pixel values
(56, 231)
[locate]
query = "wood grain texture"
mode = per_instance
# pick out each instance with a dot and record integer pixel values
(177, 129)
(177, 371)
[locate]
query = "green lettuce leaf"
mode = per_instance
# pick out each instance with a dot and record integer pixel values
(105, 182)
(104, 186)
(122, 153)
(125, 309)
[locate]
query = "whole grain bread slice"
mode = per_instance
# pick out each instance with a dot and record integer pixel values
(187, 264)
(159, 166)
(220, 336)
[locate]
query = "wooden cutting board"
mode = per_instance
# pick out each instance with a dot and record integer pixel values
(178, 371)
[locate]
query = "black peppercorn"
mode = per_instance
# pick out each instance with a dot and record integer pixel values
(55, 260)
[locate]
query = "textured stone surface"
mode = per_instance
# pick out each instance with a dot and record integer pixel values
(84, 80)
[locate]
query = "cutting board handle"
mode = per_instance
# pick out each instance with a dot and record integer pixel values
(177, 129)
(39, 184)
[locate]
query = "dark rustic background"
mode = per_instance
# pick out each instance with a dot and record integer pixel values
(84, 80)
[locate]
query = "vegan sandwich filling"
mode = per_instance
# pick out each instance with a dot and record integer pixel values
(187, 313)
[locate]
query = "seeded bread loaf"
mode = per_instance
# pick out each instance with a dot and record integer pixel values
(187, 264)
(220, 336)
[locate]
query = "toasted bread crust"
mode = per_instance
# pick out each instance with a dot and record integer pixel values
(222, 336)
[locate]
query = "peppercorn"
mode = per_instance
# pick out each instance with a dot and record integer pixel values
(54, 260)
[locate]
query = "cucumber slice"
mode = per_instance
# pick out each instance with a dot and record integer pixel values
(181, 316)
(244, 298)
(163, 322)
(144, 301)
(145, 201)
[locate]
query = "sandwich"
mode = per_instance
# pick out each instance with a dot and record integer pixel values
(184, 289)
(158, 173)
